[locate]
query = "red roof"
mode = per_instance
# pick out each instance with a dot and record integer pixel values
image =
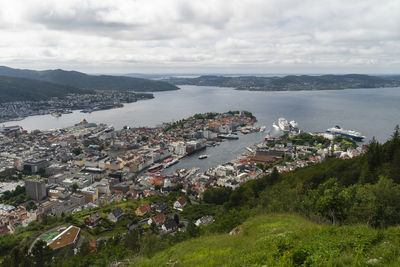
(159, 218)
(182, 201)
(144, 208)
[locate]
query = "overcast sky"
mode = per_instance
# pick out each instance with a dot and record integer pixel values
(202, 36)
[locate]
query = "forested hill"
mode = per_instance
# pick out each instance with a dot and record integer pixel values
(21, 89)
(85, 81)
(292, 82)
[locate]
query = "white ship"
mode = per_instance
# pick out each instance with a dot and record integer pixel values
(283, 125)
(169, 164)
(203, 156)
(337, 130)
(293, 124)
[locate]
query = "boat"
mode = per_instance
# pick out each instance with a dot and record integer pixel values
(203, 156)
(109, 129)
(275, 126)
(16, 119)
(155, 167)
(172, 162)
(228, 136)
(249, 149)
(293, 124)
(337, 130)
(283, 125)
(56, 114)
(262, 128)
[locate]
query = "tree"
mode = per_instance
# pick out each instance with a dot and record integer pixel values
(77, 151)
(132, 240)
(177, 188)
(31, 206)
(176, 218)
(149, 244)
(42, 172)
(273, 177)
(41, 254)
(217, 195)
(329, 201)
(75, 187)
(192, 230)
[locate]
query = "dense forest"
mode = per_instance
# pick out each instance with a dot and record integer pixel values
(291, 82)
(85, 81)
(342, 193)
(22, 89)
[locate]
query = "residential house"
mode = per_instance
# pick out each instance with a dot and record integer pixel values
(159, 219)
(93, 220)
(142, 210)
(169, 226)
(206, 220)
(160, 207)
(116, 215)
(180, 203)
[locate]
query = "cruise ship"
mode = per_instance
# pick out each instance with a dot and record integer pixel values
(337, 130)
(283, 125)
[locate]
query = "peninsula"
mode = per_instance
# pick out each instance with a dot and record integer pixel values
(291, 82)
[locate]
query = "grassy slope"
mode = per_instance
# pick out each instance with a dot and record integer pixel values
(284, 240)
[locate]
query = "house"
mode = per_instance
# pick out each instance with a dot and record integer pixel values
(160, 207)
(206, 220)
(142, 210)
(180, 203)
(158, 219)
(169, 226)
(115, 215)
(93, 220)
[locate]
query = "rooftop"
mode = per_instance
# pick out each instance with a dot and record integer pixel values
(65, 238)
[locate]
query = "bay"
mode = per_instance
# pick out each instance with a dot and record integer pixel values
(373, 112)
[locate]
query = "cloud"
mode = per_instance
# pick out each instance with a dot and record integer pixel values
(180, 35)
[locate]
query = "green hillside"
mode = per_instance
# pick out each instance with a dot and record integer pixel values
(82, 80)
(284, 240)
(21, 89)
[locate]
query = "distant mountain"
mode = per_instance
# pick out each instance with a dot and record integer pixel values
(292, 82)
(22, 89)
(85, 81)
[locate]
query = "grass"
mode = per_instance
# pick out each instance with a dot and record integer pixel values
(285, 240)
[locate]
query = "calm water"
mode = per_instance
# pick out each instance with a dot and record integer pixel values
(373, 112)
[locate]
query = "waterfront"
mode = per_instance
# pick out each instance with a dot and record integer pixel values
(373, 112)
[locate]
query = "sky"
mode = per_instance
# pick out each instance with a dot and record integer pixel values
(207, 36)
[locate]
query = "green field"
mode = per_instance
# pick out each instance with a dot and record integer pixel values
(285, 240)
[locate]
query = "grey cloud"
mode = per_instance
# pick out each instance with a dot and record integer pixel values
(79, 19)
(206, 34)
